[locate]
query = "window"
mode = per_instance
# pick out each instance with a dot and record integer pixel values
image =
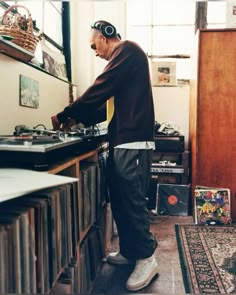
(47, 16)
(168, 28)
(216, 14)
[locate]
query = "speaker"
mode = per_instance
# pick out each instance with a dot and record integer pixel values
(173, 199)
(107, 29)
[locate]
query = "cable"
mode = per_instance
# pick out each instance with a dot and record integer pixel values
(40, 125)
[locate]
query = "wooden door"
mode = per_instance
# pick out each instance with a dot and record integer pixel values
(214, 141)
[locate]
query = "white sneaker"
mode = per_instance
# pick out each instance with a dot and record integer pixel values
(117, 258)
(143, 273)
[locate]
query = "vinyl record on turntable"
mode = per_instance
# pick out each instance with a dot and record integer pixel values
(173, 199)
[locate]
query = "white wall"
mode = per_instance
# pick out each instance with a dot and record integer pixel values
(85, 66)
(172, 105)
(53, 96)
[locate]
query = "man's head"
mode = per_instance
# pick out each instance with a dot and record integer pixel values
(103, 39)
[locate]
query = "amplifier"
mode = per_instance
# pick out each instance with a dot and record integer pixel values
(157, 168)
(169, 143)
(171, 170)
(173, 178)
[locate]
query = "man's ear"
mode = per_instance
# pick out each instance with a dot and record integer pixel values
(102, 37)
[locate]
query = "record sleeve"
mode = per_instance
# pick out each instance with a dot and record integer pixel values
(173, 199)
(212, 205)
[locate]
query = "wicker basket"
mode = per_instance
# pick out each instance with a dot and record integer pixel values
(23, 36)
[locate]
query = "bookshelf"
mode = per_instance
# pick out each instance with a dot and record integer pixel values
(88, 168)
(169, 175)
(54, 232)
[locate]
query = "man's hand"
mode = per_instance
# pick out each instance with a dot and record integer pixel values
(55, 123)
(68, 124)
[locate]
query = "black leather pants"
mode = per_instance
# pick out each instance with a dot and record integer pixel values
(128, 180)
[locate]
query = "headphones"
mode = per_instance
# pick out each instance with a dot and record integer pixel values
(107, 29)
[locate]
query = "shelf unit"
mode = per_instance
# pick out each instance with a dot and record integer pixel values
(173, 170)
(60, 262)
(72, 167)
(175, 174)
(91, 246)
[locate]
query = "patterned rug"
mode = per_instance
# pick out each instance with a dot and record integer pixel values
(208, 258)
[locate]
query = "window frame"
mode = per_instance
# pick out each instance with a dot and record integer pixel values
(151, 25)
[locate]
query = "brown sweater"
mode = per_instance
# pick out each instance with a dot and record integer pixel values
(126, 77)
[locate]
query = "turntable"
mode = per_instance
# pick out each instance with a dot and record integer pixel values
(28, 140)
(39, 143)
(37, 148)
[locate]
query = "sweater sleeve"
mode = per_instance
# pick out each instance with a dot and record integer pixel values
(106, 85)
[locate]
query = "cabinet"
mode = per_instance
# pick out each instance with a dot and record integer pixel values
(89, 168)
(47, 249)
(212, 112)
(168, 167)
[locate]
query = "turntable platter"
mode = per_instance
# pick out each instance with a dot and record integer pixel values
(36, 144)
(22, 140)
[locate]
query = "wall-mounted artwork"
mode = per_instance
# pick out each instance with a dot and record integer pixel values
(54, 62)
(29, 92)
(163, 73)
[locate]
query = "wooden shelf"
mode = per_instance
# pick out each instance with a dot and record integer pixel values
(73, 212)
(11, 49)
(68, 162)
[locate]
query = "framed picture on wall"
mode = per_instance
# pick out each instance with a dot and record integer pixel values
(163, 73)
(54, 61)
(29, 92)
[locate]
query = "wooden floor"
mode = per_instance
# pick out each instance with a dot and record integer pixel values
(112, 279)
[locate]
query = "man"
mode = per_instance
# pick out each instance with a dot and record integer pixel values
(124, 82)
